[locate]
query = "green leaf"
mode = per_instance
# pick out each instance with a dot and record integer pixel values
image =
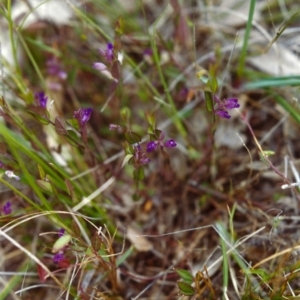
(151, 121)
(185, 275)
(39, 113)
(209, 101)
(264, 274)
(119, 29)
(60, 126)
(62, 242)
(41, 45)
(273, 81)
(268, 153)
(132, 137)
(185, 288)
(263, 159)
(125, 255)
(46, 185)
(126, 159)
(72, 138)
(125, 115)
(213, 84)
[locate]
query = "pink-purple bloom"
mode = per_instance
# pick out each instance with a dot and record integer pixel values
(154, 144)
(139, 156)
(108, 53)
(61, 232)
(170, 144)
(54, 69)
(59, 256)
(82, 115)
(231, 103)
(222, 113)
(151, 146)
(7, 208)
(99, 66)
(41, 99)
(114, 127)
(224, 105)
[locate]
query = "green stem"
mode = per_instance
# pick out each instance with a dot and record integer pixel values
(243, 55)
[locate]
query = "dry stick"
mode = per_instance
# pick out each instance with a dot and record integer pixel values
(276, 255)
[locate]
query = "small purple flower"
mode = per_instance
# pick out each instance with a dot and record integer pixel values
(170, 144)
(99, 66)
(59, 256)
(53, 68)
(114, 127)
(222, 113)
(1, 165)
(61, 232)
(148, 51)
(231, 103)
(11, 174)
(41, 99)
(82, 115)
(151, 146)
(7, 208)
(222, 106)
(108, 52)
(140, 156)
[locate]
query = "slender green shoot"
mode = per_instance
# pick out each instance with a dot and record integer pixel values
(243, 55)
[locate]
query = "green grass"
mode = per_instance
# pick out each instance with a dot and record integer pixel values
(136, 223)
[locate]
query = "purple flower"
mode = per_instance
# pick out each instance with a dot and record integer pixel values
(108, 52)
(114, 127)
(151, 146)
(59, 256)
(53, 68)
(170, 144)
(82, 115)
(41, 99)
(222, 106)
(222, 113)
(7, 208)
(148, 52)
(231, 103)
(61, 232)
(139, 156)
(11, 174)
(99, 66)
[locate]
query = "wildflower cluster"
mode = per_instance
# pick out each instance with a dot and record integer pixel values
(213, 102)
(109, 56)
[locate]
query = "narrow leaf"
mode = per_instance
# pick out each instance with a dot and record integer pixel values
(209, 101)
(60, 126)
(185, 288)
(185, 275)
(62, 242)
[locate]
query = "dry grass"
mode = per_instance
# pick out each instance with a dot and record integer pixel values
(219, 206)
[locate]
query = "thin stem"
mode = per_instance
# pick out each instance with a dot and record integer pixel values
(243, 55)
